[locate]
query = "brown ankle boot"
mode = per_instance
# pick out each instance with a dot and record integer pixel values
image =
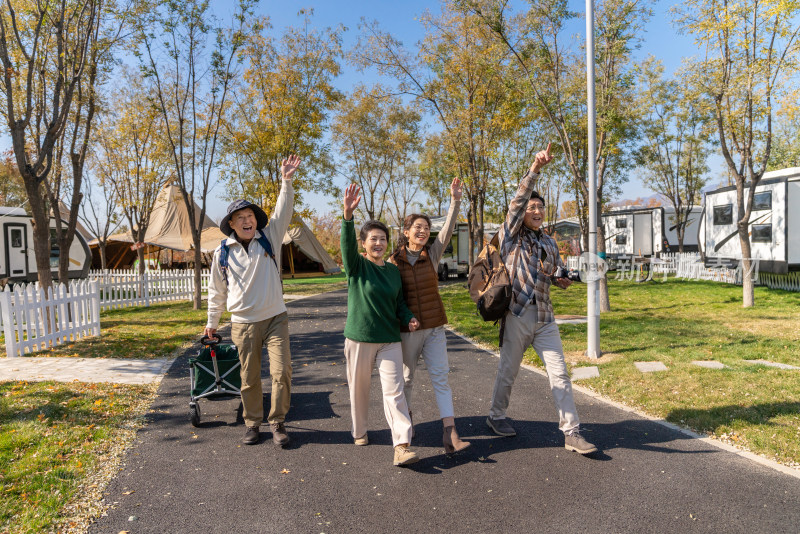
(452, 443)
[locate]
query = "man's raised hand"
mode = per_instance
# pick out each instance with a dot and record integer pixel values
(543, 157)
(289, 165)
(352, 196)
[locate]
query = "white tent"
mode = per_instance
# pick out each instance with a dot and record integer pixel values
(304, 239)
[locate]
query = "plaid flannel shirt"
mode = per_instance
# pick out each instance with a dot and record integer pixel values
(521, 250)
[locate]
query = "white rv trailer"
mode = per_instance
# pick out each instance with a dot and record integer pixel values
(647, 231)
(774, 224)
(455, 259)
(18, 262)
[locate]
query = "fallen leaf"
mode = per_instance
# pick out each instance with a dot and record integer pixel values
(285, 471)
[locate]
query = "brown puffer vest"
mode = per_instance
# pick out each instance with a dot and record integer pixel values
(420, 289)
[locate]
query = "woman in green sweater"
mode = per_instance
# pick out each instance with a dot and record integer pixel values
(375, 311)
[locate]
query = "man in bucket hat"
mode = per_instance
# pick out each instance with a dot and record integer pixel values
(246, 279)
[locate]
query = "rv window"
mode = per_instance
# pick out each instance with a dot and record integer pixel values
(762, 233)
(449, 248)
(54, 250)
(622, 239)
(762, 201)
(723, 214)
(622, 223)
(16, 238)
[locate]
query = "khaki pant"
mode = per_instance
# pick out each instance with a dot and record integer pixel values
(361, 358)
(520, 333)
(250, 338)
(431, 345)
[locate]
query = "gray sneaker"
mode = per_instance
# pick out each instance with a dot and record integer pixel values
(501, 427)
(575, 442)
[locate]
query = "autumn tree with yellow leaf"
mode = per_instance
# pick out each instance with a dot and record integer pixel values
(751, 61)
(281, 106)
(460, 75)
(377, 138)
(553, 69)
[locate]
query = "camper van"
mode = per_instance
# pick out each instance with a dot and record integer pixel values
(647, 231)
(18, 263)
(455, 259)
(774, 224)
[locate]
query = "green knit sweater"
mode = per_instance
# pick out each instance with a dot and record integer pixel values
(375, 305)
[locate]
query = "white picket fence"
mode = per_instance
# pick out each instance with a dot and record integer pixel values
(124, 288)
(31, 322)
(690, 265)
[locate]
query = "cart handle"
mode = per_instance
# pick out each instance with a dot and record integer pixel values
(211, 341)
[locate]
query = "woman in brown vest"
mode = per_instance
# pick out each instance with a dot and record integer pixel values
(418, 263)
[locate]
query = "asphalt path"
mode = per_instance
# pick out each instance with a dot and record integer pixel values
(648, 478)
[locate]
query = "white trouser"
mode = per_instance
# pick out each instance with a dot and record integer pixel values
(431, 344)
(520, 333)
(361, 358)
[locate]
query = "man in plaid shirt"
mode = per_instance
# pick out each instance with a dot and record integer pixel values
(531, 258)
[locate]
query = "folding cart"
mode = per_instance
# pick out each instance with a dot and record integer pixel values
(213, 373)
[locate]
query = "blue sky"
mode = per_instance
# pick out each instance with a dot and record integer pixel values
(400, 18)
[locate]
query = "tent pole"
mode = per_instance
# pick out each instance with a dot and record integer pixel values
(291, 259)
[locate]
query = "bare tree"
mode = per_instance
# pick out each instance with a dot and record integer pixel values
(191, 86)
(99, 213)
(45, 50)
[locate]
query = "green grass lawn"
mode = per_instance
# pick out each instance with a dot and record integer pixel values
(676, 322)
(312, 286)
(55, 441)
(142, 333)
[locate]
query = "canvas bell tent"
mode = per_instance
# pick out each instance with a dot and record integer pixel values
(17, 261)
(647, 232)
(302, 252)
(169, 240)
(774, 224)
(168, 237)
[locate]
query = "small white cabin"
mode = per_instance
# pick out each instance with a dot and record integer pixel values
(774, 224)
(18, 262)
(647, 231)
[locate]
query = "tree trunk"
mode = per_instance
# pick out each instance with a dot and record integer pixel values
(140, 257)
(198, 266)
(103, 262)
(748, 297)
(605, 302)
(41, 233)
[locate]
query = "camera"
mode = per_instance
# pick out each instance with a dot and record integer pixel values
(563, 272)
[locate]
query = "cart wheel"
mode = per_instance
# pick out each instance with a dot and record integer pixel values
(194, 414)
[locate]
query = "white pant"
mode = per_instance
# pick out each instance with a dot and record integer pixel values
(520, 333)
(431, 344)
(361, 358)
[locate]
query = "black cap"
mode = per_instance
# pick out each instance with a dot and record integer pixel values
(236, 205)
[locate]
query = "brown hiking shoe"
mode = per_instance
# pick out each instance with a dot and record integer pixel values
(251, 436)
(404, 456)
(577, 443)
(279, 435)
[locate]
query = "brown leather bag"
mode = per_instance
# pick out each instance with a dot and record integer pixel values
(489, 283)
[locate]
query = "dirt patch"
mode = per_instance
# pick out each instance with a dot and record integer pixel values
(577, 356)
(780, 328)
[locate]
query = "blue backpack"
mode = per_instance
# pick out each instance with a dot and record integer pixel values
(224, 250)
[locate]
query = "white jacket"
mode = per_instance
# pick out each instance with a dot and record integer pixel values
(253, 292)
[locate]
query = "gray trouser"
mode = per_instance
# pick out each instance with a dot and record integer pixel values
(520, 333)
(431, 344)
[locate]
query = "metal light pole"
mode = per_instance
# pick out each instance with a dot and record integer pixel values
(593, 285)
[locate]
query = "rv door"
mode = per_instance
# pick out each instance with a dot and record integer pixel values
(463, 244)
(16, 250)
